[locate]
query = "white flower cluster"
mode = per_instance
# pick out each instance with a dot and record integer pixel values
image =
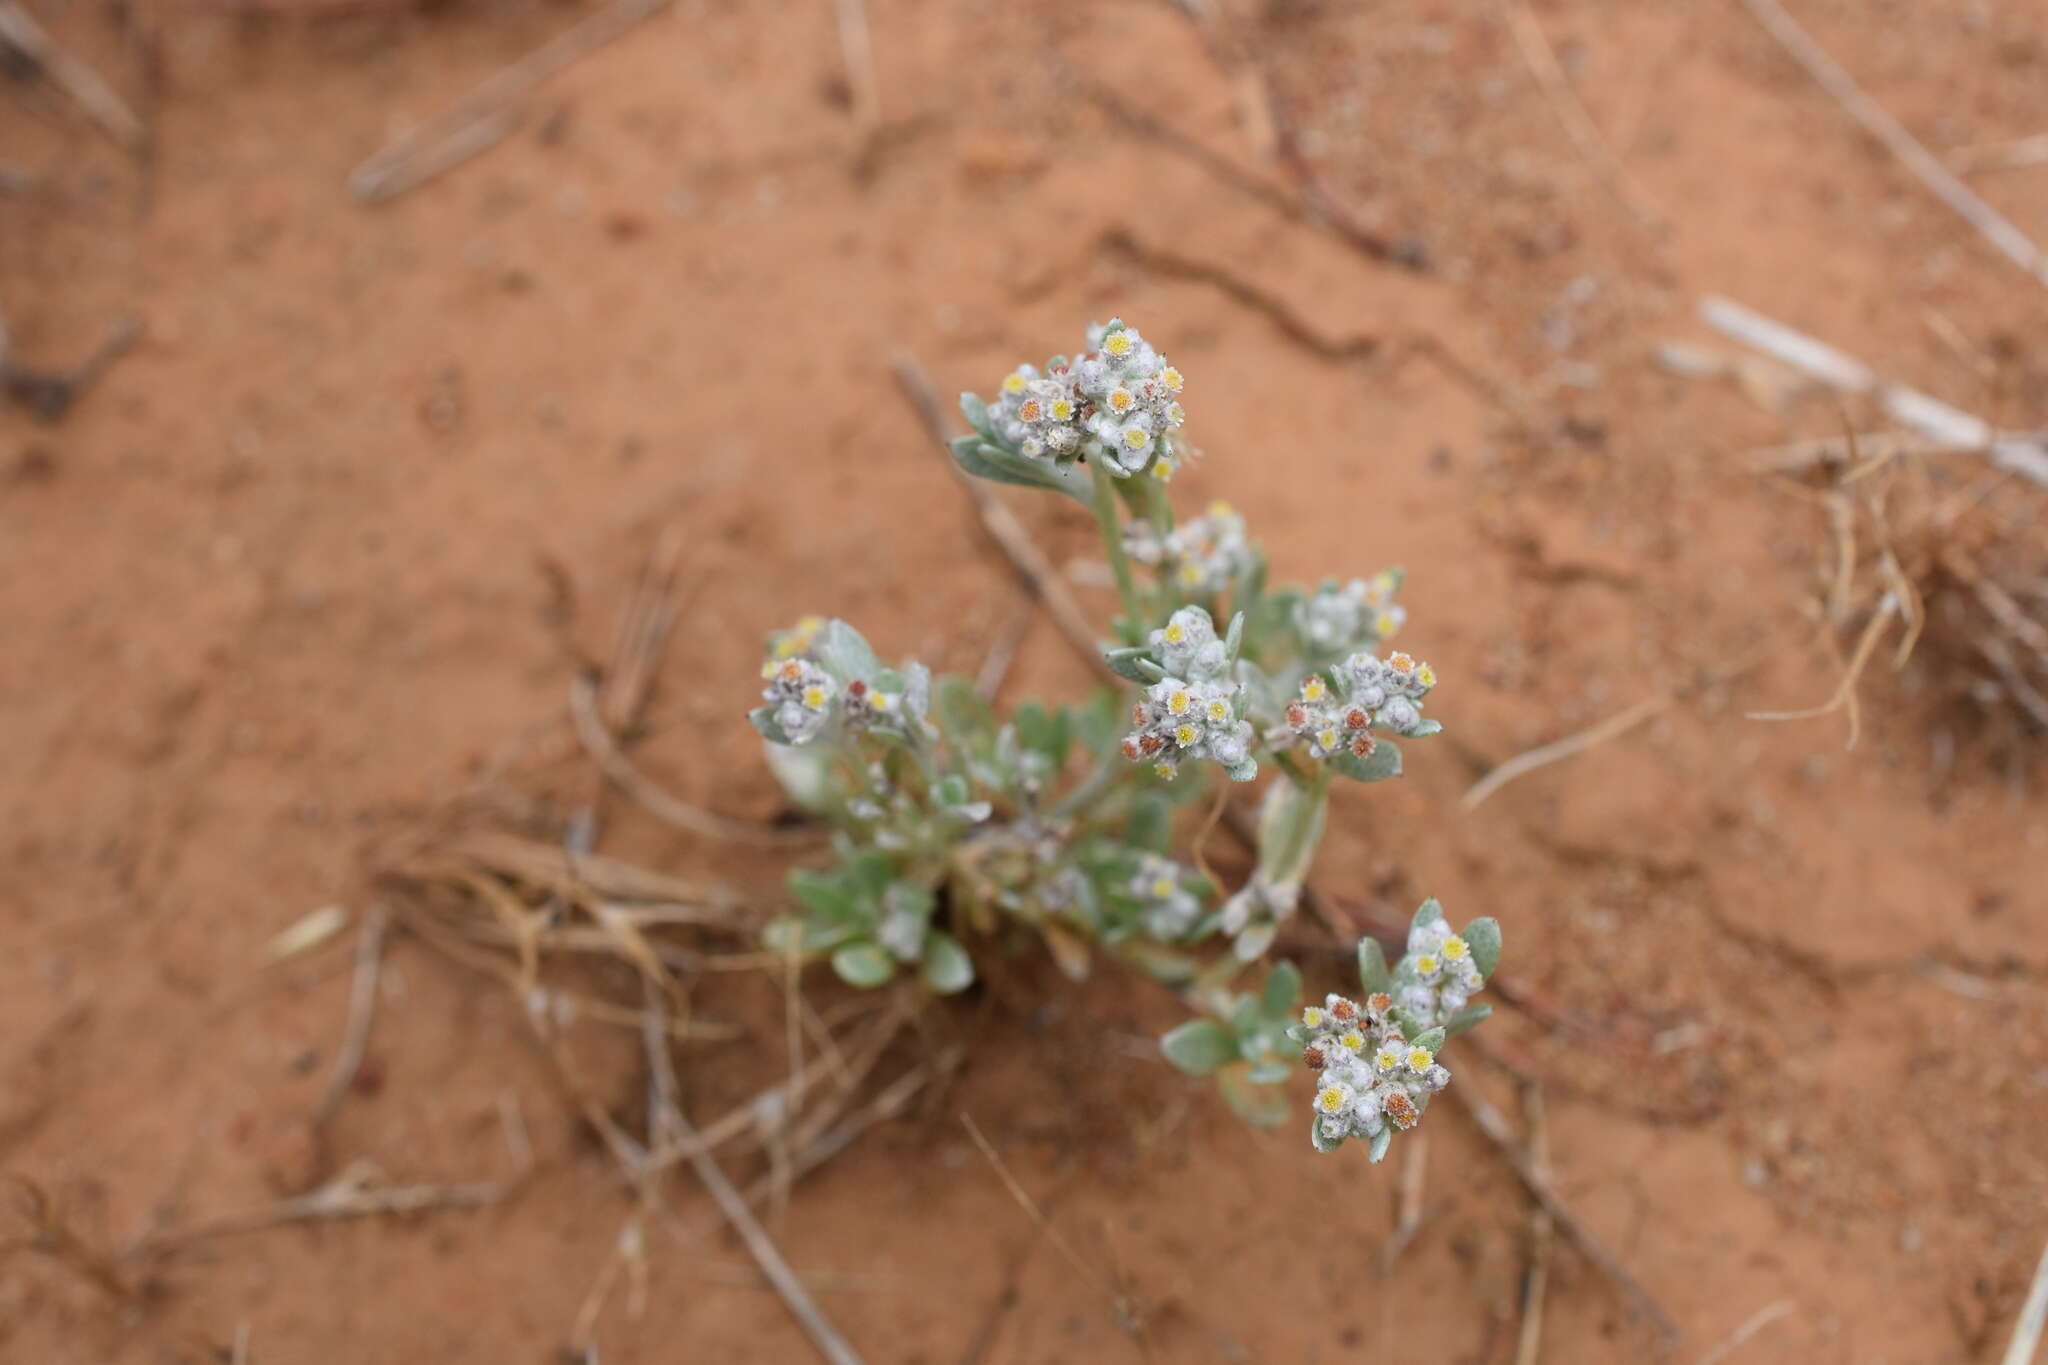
(1195, 711)
(803, 699)
(1181, 721)
(1204, 556)
(799, 694)
(1383, 692)
(1369, 1076)
(1166, 908)
(1120, 401)
(1362, 610)
(1438, 976)
(1188, 647)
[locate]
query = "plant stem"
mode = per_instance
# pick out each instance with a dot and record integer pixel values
(1113, 545)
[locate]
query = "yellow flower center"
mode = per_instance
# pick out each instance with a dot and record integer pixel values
(1179, 702)
(1013, 383)
(1164, 770)
(1219, 709)
(1455, 948)
(1312, 1017)
(1427, 965)
(1120, 400)
(1353, 1041)
(1135, 438)
(1171, 378)
(1117, 344)
(1426, 676)
(1176, 633)
(1330, 1099)
(1163, 887)
(1312, 689)
(1387, 1059)
(814, 697)
(1062, 410)
(1185, 735)
(1419, 1058)
(1327, 738)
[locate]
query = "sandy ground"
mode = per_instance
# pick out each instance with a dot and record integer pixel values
(338, 531)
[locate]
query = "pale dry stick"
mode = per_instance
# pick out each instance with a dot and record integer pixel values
(629, 1248)
(348, 1195)
(2026, 1333)
(115, 118)
(652, 797)
(858, 47)
(1845, 691)
(1521, 765)
(362, 1009)
(1923, 164)
(1542, 1233)
(740, 1119)
(1126, 1311)
(2014, 155)
(1002, 524)
(2023, 692)
(240, 1354)
(472, 124)
(1002, 651)
(1584, 133)
(1409, 1215)
(1754, 1323)
(512, 1121)
(1496, 1130)
(892, 1102)
(1931, 418)
(831, 1345)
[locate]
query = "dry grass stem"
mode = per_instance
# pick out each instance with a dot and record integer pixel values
(1496, 1130)
(1754, 1323)
(1585, 134)
(1878, 122)
(362, 1009)
(482, 119)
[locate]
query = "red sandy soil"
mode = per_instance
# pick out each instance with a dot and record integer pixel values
(294, 574)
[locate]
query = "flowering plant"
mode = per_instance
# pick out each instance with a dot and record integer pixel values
(954, 826)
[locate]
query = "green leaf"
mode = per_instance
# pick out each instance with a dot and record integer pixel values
(976, 413)
(1325, 1145)
(1233, 639)
(1282, 991)
(963, 713)
(1124, 663)
(1372, 967)
(863, 964)
(1382, 763)
(1043, 731)
(1160, 963)
(844, 654)
(1255, 1104)
(951, 790)
(1290, 827)
(1199, 1046)
(1425, 729)
(1380, 1142)
(1482, 936)
(1272, 1071)
(870, 872)
(946, 968)
(978, 457)
(1431, 1041)
(1429, 912)
(1469, 1017)
(763, 719)
(824, 893)
(1149, 672)
(1150, 825)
